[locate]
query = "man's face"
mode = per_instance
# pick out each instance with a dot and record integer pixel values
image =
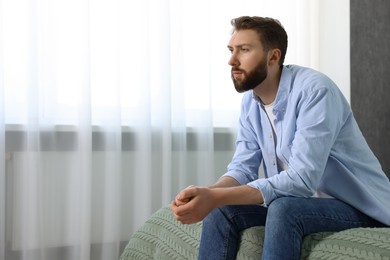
(248, 60)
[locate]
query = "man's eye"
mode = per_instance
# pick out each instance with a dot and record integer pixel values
(244, 50)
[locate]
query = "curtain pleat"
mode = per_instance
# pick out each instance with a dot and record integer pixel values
(109, 108)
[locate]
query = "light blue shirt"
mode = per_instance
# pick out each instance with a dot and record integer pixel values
(318, 140)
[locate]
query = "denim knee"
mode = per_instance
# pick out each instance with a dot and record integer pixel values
(283, 230)
(219, 214)
(281, 208)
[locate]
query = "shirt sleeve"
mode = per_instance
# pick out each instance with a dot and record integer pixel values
(318, 120)
(244, 166)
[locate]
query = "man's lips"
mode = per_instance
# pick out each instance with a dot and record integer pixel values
(237, 74)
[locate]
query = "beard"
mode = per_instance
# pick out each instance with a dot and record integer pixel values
(252, 79)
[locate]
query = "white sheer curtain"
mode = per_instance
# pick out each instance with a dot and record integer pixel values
(109, 107)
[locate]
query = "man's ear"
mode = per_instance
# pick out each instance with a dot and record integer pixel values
(274, 57)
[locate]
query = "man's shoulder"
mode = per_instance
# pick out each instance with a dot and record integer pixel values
(303, 72)
(301, 78)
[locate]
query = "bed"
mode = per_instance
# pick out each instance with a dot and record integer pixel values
(162, 237)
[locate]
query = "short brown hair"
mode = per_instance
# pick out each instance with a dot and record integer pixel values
(270, 31)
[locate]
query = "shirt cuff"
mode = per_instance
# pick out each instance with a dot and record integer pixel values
(266, 190)
(238, 176)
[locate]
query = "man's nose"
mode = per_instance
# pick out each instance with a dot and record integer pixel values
(233, 61)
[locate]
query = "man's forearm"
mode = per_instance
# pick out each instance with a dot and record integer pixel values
(238, 195)
(228, 191)
(224, 182)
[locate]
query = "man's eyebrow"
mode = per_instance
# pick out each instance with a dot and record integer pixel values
(239, 45)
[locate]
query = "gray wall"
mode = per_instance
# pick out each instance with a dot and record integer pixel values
(370, 73)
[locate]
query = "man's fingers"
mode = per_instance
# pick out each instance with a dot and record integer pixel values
(185, 205)
(186, 195)
(186, 219)
(181, 202)
(178, 209)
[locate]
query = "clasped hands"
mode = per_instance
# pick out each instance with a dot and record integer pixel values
(192, 204)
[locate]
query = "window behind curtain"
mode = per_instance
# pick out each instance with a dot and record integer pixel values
(132, 55)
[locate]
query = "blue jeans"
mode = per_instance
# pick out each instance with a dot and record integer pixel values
(287, 220)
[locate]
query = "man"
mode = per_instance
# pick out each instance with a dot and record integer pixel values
(320, 174)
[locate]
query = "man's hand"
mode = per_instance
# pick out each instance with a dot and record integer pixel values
(192, 204)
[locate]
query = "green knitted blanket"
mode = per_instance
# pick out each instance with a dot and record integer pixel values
(162, 237)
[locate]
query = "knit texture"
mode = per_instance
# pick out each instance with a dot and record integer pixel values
(164, 238)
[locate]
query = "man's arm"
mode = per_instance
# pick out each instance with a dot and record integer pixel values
(194, 203)
(225, 181)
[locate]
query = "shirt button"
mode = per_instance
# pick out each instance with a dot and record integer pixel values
(273, 163)
(270, 136)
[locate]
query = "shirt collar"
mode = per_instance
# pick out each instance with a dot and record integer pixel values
(284, 89)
